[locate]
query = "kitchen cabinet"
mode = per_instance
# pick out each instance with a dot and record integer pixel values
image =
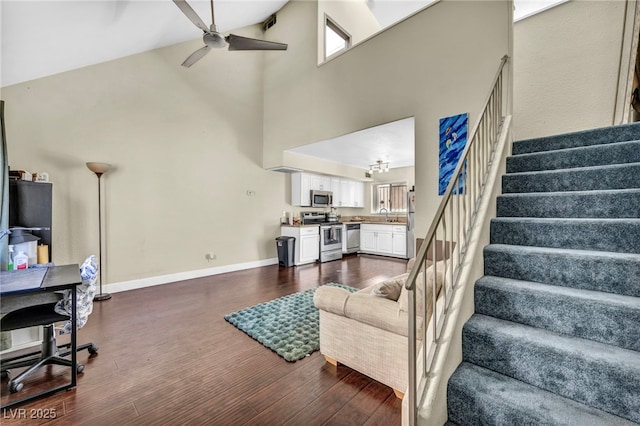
(387, 240)
(320, 183)
(307, 244)
(368, 239)
(346, 193)
(302, 184)
(336, 188)
(399, 245)
(357, 194)
(341, 193)
(300, 189)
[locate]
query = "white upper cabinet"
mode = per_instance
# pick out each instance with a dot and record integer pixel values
(357, 191)
(320, 183)
(346, 193)
(350, 193)
(336, 188)
(300, 189)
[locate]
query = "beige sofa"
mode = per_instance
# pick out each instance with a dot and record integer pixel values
(367, 330)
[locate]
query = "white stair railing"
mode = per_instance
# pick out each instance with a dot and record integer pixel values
(449, 236)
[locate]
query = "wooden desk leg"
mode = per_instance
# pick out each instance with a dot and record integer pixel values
(74, 320)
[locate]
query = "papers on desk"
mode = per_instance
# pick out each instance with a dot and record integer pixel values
(20, 281)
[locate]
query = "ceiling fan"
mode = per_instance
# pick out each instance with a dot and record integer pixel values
(213, 39)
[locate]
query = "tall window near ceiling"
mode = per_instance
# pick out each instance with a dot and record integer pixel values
(390, 196)
(336, 39)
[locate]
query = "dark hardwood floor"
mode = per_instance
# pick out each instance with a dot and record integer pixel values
(167, 356)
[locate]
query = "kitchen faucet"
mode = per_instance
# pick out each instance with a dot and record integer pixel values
(386, 214)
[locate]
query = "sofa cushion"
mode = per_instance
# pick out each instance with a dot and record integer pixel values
(331, 299)
(403, 300)
(377, 312)
(391, 288)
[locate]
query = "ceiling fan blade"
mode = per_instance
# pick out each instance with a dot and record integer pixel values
(237, 42)
(195, 56)
(191, 14)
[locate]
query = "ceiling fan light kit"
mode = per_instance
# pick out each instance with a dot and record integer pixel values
(214, 40)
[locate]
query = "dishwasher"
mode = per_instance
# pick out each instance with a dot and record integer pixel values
(353, 237)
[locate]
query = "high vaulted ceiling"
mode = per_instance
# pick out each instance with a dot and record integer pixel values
(46, 37)
(40, 38)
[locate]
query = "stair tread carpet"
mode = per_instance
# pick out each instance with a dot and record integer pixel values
(615, 176)
(602, 317)
(495, 399)
(602, 376)
(555, 336)
(608, 234)
(603, 135)
(609, 272)
(594, 155)
(612, 203)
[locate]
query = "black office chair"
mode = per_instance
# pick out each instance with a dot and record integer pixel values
(47, 315)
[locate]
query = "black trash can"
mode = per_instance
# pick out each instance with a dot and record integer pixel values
(285, 246)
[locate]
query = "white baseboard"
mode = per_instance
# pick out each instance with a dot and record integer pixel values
(181, 276)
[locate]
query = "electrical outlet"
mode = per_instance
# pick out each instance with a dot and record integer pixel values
(251, 193)
(210, 256)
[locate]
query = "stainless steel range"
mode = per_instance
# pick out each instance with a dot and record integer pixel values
(330, 234)
(330, 241)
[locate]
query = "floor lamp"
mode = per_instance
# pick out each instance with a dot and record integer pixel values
(99, 169)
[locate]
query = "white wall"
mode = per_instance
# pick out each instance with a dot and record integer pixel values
(186, 145)
(566, 68)
(419, 68)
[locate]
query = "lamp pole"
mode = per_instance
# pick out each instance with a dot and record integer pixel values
(99, 169)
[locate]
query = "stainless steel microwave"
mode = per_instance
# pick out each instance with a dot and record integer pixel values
(321, 198)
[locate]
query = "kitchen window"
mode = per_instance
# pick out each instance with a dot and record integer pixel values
(390, 196)
(335, 38)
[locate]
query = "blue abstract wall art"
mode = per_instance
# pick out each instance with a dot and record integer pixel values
(453, 139)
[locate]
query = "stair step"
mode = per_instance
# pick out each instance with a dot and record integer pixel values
(597, 155)
(478, 396)
(617, 235)
(620, 203)
(555, 336)
(606, 318)
(589, 270)
(619, 176)
(602, 376)
(603, 135)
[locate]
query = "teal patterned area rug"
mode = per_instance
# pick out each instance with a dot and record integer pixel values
(287, 325)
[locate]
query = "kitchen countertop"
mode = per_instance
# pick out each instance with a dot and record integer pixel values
(394, 219)
(372, 222)
(361, 222)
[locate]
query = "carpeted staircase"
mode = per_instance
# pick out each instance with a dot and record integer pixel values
(555, 338)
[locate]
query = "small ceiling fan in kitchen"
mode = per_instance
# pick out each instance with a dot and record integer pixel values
(213, 39)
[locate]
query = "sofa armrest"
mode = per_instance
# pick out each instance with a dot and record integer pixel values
(378, 312)
(331, 299)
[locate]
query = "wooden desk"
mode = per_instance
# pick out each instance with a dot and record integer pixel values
(30, 288)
